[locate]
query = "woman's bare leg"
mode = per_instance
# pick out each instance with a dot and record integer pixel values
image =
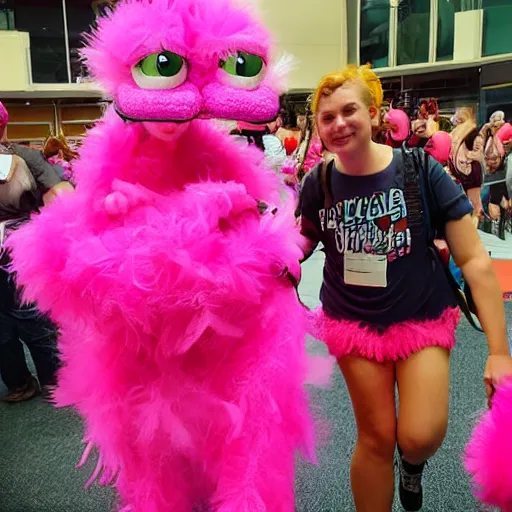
(372, 389)
(423, 387)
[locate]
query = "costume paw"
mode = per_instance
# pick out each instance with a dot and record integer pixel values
(125, 197)
(116, 204)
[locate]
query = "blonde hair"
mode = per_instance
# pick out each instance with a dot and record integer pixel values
(373, 94)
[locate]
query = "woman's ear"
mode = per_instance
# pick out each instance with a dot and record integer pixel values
(374, 112)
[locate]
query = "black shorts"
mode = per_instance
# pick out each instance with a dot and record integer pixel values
(497, 192)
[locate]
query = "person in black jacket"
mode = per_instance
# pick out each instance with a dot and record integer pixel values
(32, 183)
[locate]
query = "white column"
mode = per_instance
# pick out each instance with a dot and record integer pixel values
(66, 39)
(393, 33)
(432, 45)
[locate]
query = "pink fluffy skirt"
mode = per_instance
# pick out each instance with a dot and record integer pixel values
(349, 338)
(488, 457)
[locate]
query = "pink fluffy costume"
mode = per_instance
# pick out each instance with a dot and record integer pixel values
(183, 340)
(488, 457)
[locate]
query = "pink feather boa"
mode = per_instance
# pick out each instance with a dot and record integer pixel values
(488, 456)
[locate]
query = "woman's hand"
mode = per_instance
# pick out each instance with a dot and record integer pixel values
(498, 367)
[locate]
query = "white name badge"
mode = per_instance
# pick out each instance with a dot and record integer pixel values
(361, 269)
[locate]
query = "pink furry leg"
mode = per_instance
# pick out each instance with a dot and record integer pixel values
(488, 456)
(156, 489)
(256, 478)
(257, 467)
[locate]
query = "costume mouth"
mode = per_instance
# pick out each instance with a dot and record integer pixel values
(132, 119)
(187, 103)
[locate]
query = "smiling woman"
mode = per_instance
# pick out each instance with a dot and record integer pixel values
(388, 311)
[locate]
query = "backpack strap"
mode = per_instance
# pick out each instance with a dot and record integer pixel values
(420, 200)
(325, 181)
(409, 171)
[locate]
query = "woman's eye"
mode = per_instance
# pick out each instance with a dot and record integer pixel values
(243, 69)
(163, 70)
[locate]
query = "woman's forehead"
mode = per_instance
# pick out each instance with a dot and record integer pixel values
(348, 93)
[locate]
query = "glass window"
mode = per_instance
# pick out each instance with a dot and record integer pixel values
(446, 28)
(80, 14)
(413, 31)
(496, 31)
(6, 14)
(352, 31)
(374, 33)
(45, 23)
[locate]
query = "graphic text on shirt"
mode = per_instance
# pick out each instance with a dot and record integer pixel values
(372, 225)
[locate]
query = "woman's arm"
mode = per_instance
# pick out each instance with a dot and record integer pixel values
(310, 202)
(476, 265)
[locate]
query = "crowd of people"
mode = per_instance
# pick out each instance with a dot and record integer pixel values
(476, 157)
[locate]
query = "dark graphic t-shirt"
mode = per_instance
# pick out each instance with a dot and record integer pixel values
(376, 271)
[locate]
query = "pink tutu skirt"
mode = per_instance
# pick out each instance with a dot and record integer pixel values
(350, 338)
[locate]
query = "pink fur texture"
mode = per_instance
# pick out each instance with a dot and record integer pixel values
(314, 155)
(4, 117)
(398, 342)
(203, 33)
(488, 454)
(183, 340)
(183, 347)
(399, 122)
(439, 146)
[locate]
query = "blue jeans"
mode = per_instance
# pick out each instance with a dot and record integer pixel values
(37, 332)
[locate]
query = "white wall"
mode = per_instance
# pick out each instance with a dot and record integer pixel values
(14, 60)
(313, 31)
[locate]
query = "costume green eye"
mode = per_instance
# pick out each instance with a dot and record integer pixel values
(243, 64)
(164, 70)
(161, 64)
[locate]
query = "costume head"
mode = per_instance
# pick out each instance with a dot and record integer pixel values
(178, 60)
(398, 123)
(439, 146)
(4, 119)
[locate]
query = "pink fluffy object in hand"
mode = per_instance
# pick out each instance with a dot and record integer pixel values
(488, 456)
(314, 155)
(183, 339)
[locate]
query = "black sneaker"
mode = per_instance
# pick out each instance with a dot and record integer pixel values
(411, 491)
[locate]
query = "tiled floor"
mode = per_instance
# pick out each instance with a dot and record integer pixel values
(499, 249)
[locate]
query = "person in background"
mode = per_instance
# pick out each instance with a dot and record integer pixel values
(466, 158)
(28, 182)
